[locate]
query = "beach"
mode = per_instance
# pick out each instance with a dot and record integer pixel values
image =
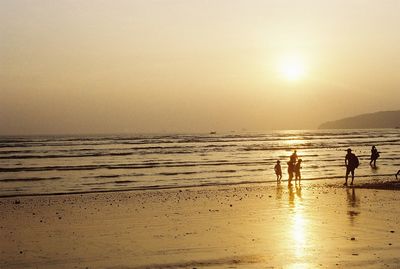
(173, 134)
(315, 225)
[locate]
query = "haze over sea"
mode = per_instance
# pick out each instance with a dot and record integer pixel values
(79, 164)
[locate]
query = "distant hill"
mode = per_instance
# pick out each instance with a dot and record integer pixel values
(382, 119)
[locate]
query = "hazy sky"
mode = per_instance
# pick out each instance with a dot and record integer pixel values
(194, 66)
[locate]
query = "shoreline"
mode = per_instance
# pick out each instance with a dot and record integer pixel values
(386, 184)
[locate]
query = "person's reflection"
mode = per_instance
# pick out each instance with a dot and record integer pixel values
(279, 191)
(353, 204)
(298, 191)
(291, 196)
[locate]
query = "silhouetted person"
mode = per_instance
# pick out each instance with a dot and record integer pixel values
(293, 157)
(297, 168)
(351, 162)
(374, 156)
(398, 172)
(290, 172)
(278, 171)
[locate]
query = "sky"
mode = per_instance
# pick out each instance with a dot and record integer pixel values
(185, 66)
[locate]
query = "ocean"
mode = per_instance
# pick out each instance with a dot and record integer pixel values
(36, 165)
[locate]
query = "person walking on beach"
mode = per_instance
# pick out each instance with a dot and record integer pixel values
(351, 162)
(374, 156)
(297, 168)
(278, 171)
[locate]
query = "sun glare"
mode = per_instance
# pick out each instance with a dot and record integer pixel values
(292, 68)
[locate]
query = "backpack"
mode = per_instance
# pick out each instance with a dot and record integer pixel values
(356, 161)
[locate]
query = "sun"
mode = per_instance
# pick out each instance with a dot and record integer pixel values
(292, 67)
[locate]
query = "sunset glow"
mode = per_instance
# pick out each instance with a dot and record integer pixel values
(199, 134)
(292, 67)
(69, 67)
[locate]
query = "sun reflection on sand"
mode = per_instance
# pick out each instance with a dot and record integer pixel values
(298, 234)
(299, 226)
(299, 266)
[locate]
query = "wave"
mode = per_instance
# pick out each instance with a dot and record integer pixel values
(127, 161)
(175, 150)
(125, 166)
(333, 162)
(28, 179)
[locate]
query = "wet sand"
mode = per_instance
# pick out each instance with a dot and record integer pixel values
(247, 226)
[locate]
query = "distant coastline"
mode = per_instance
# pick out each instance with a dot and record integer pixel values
(382, 119)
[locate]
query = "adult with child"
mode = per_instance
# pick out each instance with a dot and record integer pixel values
(292, 167)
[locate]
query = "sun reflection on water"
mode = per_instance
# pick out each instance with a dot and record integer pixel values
(292, 142)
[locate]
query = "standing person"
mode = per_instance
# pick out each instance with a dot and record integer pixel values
(290, 172)
(278, 171)
(374, 156)
(351, 162)
(398, 172)
(297, 168)
(293, 157)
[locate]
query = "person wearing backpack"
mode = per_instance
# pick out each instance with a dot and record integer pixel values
(374, 156)
(351, 161)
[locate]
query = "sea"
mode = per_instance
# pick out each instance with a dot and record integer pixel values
(40, 165)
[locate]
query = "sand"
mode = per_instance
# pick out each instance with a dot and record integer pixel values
(247, 226)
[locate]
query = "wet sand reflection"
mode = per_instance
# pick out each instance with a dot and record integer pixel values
(297, 224)
(353, 205)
